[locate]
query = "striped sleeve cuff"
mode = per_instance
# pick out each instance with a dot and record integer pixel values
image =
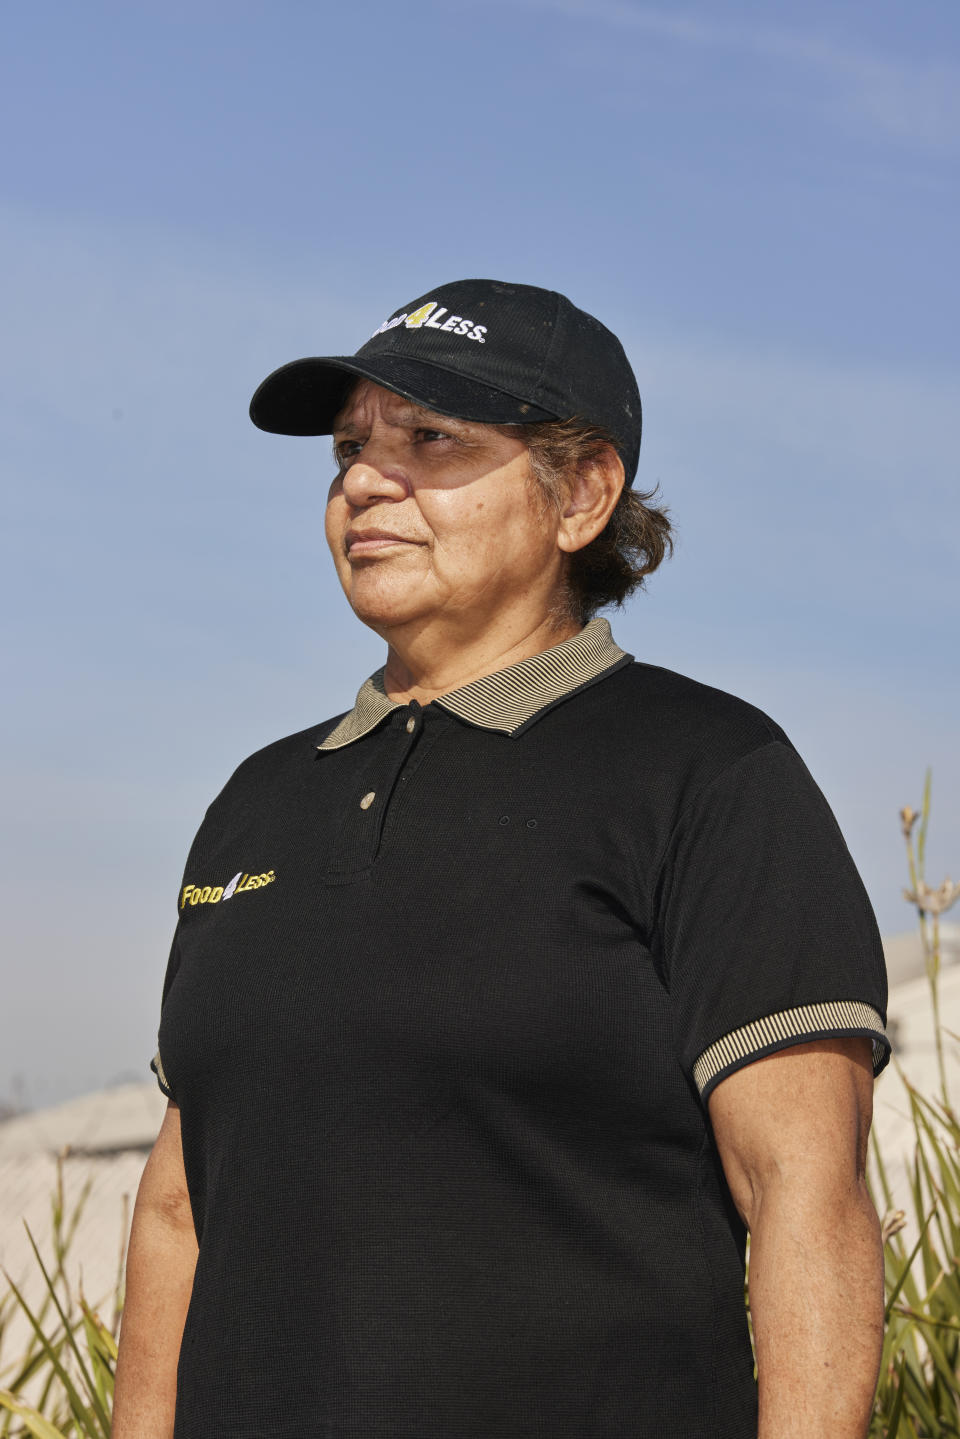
(790, 1026)
(156, 1064)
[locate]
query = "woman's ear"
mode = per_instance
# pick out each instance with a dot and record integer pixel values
(591, 498)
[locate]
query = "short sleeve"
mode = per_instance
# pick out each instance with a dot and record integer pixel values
(768, 938)
(156, 1063)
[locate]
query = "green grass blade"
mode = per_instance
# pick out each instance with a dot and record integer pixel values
(34, 1421)
(918, 1395)
(106, 1337)
(893, 1427)
(52, 1354)
(924, 822)
(102, 1348)
(88, 1381)
(905, 1275)
(928, 1319)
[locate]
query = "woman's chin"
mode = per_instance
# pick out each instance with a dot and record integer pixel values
(382, 603)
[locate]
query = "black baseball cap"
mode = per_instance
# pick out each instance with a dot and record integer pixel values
(475, 350)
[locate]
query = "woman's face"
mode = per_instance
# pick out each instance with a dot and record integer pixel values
(436, 519)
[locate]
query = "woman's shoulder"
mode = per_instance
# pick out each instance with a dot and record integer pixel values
(271, 768)
(659, 707)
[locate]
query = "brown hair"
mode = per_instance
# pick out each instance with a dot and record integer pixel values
(636, 538)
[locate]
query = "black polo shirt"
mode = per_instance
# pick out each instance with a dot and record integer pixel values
(448, 992)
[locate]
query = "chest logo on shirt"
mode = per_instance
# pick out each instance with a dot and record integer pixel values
(241, 883)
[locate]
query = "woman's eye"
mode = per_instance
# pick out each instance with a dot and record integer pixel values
(433, 435)
(345, 450)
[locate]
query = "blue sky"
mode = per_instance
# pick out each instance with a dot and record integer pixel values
(760, 199)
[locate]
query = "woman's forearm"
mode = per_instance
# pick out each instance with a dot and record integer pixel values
(816, 1296)
(160, 1268)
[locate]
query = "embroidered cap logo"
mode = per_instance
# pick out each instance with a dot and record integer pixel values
(429, 316)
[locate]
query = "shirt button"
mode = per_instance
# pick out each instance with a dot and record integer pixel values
(368, 799)
(411, 725)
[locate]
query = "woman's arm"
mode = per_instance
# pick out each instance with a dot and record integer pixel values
(792, 1133)
(160, 1267)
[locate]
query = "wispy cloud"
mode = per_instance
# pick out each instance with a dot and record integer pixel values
(917, 101)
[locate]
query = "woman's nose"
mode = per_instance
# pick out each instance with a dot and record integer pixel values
(374, 475)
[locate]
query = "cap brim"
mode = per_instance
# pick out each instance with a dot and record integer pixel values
(305, 396)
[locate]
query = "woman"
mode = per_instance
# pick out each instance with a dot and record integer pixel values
(501, 1007)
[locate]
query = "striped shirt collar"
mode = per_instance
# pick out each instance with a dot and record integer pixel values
(506, 701)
